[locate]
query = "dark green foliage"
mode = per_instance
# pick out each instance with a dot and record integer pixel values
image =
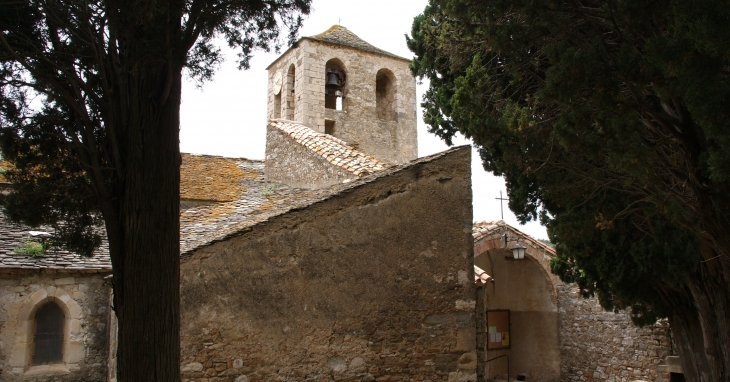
(60, 64)
(50, 186)
(609, 121)
(90, 97)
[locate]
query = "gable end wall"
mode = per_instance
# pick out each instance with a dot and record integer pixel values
(373, 283)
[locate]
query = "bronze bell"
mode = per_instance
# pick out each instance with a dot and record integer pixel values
(333, 81)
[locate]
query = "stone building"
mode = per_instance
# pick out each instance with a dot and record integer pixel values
(336, 83)
(54, 312)
(554, 333)
(340, 257)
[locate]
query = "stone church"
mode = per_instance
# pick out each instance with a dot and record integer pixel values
(340, 257)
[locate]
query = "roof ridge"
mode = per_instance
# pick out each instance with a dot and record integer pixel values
(221, 157)
(482, 229)
(337, 34)
(332, 149)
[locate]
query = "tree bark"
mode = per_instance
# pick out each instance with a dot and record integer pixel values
(687, 331)
(149, 318)
(145, 244)
(700, 321)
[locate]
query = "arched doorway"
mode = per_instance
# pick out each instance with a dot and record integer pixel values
(527, 291)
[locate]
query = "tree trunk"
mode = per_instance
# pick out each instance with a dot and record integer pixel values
(145, 249)
(148, 295)
(687, 331)
(701, 324)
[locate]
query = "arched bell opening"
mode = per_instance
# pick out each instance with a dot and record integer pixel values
(385, 95)
(290, 93)
(335, 79)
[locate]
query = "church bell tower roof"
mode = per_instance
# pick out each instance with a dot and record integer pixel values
(340, 35)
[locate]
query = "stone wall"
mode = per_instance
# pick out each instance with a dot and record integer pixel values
(373, 283)
(592, 344)
(358, 122)
(291, 163)
(604, 346)
(522, 288)
(83, 297)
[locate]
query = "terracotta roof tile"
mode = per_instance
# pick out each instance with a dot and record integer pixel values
(481, 277)
(334, 150)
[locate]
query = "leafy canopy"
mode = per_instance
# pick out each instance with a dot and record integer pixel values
(76, 79)
(609, 122)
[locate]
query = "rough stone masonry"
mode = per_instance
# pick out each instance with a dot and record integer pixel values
(372, 283)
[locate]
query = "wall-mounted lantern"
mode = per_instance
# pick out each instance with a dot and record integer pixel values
(518, 251)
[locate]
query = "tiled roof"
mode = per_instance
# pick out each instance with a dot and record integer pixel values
(340, 35)
(481, 278)
(212, 178)
(482, 230)
(13, 236)
(256, 200)
(204, 225)
(334, 150)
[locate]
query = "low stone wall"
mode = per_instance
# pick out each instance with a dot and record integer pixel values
(596, 345)
(85, 301)
(374, 283)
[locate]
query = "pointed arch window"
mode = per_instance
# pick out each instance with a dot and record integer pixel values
(48, 336)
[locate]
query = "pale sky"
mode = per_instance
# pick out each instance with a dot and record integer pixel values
(228, 116)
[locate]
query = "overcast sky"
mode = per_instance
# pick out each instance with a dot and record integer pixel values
(228, 116)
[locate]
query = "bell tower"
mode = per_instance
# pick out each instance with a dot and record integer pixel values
(336, 83)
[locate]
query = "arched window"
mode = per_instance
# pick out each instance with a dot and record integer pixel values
(335, 78)
(277, 105)
(385, 95)
(48, 336)
(290, 100)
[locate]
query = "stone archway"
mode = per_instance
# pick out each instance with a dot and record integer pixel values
(527, 289)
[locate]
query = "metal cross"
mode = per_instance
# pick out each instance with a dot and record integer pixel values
(339, 22)
(501, 206)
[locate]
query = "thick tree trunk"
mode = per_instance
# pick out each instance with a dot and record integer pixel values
(148, 294)
(700, 322)
(711, 295)
(145, 248)
(687, 332)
